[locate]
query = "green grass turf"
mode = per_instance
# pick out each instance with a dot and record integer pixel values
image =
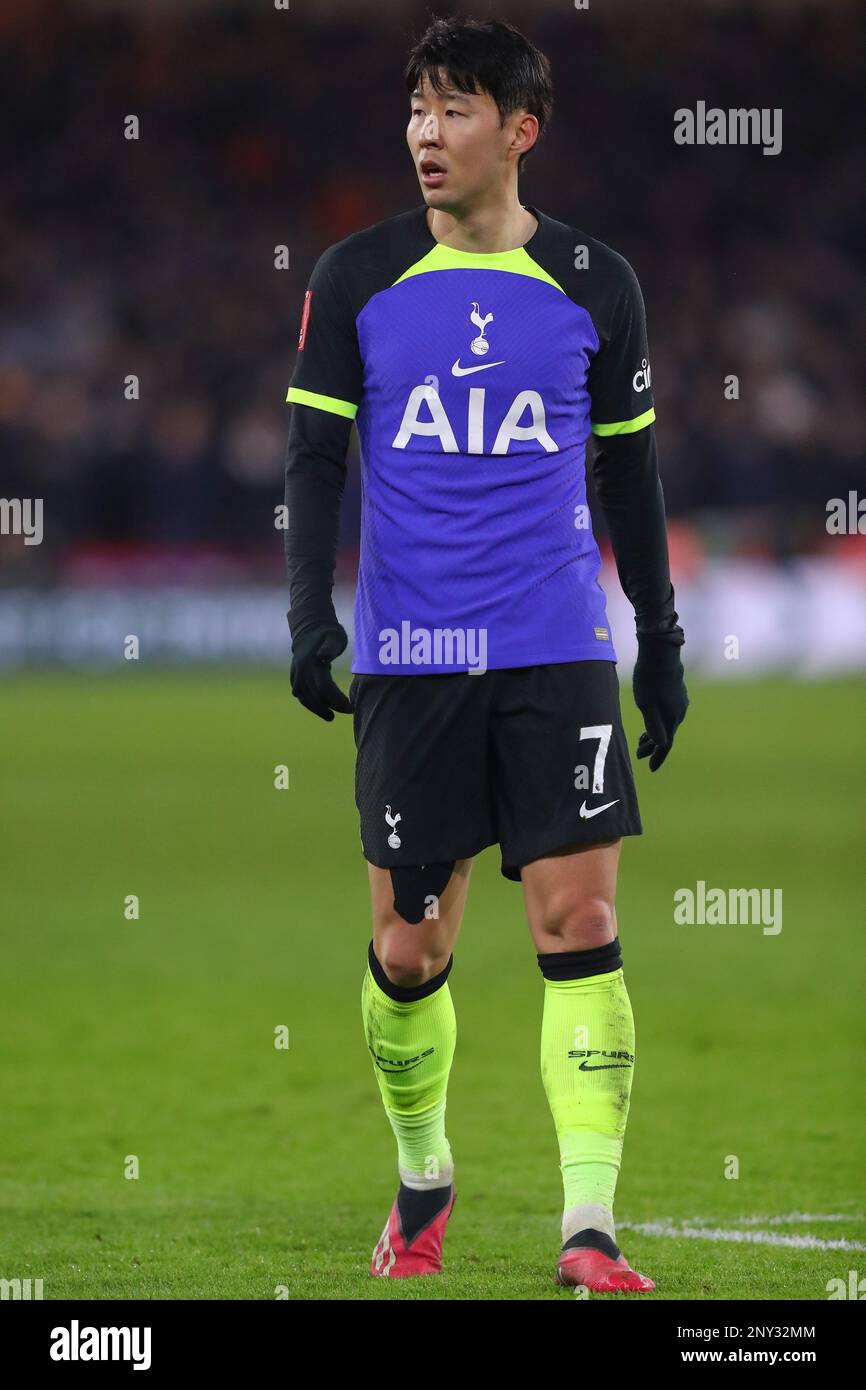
(261, 1167)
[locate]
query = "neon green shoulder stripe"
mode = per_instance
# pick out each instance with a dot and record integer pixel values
(516, 262)
(329, 403)
(626, 426)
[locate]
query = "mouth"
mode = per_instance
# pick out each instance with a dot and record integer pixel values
(432, 173)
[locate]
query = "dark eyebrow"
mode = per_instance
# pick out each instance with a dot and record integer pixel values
(448, 96)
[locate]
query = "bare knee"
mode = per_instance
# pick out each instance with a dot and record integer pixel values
(577, 923)
(412, 953)
(409, 964)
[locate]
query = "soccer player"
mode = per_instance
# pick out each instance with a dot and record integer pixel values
(476, 343)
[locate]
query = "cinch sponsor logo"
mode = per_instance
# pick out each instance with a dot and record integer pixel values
(643, 377)
(737, 126)
(76, 1343)
(729, 907)
(438, 646)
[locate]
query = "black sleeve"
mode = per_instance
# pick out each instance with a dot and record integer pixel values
(324, 395)
(619, 382)
(625, 464)
(628, 487)
(315, 479)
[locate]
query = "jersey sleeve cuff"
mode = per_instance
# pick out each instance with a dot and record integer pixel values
(329, 403)
(626, 426)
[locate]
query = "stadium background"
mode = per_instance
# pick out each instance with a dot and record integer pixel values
(264, 128)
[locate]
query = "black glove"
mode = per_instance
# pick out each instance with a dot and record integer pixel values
(312, 682)
(661, 696)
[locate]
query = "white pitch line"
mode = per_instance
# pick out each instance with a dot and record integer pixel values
(688, 1231)
(796, 1218)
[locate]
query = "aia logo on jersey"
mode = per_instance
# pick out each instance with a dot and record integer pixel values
(305, 319)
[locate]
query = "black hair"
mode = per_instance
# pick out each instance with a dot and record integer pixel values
(484, 55)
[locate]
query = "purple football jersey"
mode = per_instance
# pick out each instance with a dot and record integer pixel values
(474, 381)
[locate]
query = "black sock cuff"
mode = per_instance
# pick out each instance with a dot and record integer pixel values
(406, 995)
(591, 1239)
(577, 965)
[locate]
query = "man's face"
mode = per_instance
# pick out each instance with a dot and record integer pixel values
(460, 136)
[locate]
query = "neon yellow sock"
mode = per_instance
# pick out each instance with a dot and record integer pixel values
(587, 1064)
(412, 1046)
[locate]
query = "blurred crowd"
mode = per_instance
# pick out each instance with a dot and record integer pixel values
(154, 259)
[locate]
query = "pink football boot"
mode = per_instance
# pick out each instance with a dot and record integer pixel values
(411, 1242)
(593, 1260)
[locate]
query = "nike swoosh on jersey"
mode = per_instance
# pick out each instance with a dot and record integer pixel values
(457, 370)
(596, 810)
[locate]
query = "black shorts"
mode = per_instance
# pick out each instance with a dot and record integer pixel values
(532, 758)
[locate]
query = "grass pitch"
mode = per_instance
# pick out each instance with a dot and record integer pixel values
(261, 1167)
